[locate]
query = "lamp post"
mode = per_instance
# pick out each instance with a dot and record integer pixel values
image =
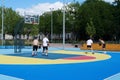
(63, 25)
(2, 21)
(51, 23)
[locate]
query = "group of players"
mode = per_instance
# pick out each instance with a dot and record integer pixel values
(36, 45)
(45, 44)
(89, 43)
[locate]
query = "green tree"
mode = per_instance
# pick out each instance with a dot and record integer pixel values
(116, 21)
(73, 20)
(44, 24)
(11, 18)
(101, 14)
(90, 29)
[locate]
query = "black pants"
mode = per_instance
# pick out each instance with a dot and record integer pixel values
(45, 48)
(35, 47)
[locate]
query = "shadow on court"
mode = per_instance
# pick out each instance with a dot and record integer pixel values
(50, 55)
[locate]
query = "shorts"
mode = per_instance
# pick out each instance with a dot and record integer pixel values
(35, 47)
(88, 46)
(45, 48)
(104, 45)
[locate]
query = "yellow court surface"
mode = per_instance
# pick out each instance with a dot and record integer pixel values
(67, 57)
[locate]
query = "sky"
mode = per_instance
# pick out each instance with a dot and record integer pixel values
(37, 7)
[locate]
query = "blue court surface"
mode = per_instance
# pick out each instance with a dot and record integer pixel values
(51, 55)
(108, 69)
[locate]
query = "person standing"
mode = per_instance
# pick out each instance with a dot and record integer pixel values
(89, 45)
(45, 45)
(35, 46)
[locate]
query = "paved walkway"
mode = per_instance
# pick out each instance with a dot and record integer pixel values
(61, 45)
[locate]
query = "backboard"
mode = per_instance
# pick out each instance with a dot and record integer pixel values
(31, 19)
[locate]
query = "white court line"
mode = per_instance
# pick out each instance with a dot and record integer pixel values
(114, 77)
(5, 77)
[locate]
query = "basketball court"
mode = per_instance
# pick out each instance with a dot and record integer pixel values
(67, 64)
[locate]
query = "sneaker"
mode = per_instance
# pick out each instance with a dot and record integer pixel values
(46, 54)
(42, 54)
(104, 52)
(36, 54)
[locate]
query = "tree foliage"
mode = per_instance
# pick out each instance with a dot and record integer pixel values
(11, 18)
(90, 29)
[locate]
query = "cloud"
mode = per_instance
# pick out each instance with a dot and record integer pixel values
(109, 1)
(43, 7)
(39, 8)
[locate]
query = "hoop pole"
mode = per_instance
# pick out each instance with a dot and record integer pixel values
(2, 21)
(63, 25)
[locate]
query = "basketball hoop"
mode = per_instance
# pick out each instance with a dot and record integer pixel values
(31, 19)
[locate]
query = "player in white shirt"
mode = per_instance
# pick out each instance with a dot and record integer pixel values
(89, 45)
(45, 46)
